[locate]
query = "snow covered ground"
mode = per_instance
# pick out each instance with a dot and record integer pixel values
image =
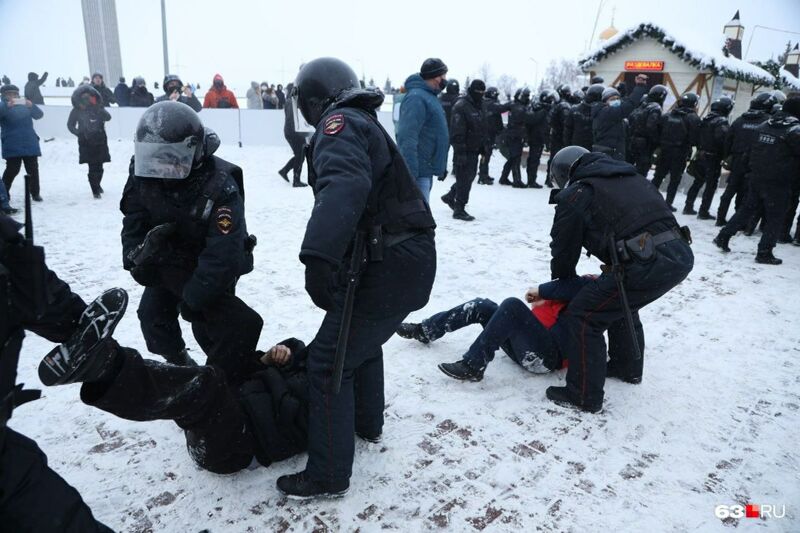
(716, 420)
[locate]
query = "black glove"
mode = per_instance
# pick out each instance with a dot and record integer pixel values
(319, 282)
(147, 275)
(191, 315)
(443, 176)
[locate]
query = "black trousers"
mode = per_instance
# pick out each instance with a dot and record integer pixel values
(673, 162)
(95, 177)
(227, 331)
(641, 155)
(794, 200)
(488, 150)
(534, 159)
(597, 308)
(295, 164)
(736, 186)
(13, 165)
(556, 144)
(33, 498)
(465, 167)
(775, 201)
(198, 399)
(710, 168)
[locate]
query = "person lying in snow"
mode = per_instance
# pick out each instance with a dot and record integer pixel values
(266, 418)
(529, 336)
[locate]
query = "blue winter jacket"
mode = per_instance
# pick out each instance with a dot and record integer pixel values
(422, 136)
(16, 130)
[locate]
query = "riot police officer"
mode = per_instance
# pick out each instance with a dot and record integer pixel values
(710, 153)
(184, 237)
(579, 120)
(773, 163)
(363, 193)
(467, 133)
(645, 122)
(679, 132)
(557, 124)
(536, 131)
(513, 137)
(606, 203)
(492, 115)
(741, 137)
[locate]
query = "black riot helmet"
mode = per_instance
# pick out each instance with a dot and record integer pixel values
(564, 162)
(762, 102)
(169, 141)
(722, 106)
(577, 97)
(492, 93)
(594, 93)
(598, 79)
(171, 83)
(564, 91)
(689, 100)
(452, 87)
(319, 82)
(549, 96)
(657, 94)
(85, 95)
(525, 96)
(779, 97)
(518, 95)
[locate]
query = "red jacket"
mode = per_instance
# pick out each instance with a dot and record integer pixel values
(220, 98)
(548, 312)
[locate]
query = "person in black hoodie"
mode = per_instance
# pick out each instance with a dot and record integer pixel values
(710, 153)
(467, 132)
(679, 129)
(606, 201)
(513, 137)
(87, 122)
(107, 97)
(492, 115)
(175, 90)
(536, 132)
(741, 137)
(609, 120)
(296, 140)
(578, 121)
(773, 165)
(122, 93)
(139, 95)
(32, 91)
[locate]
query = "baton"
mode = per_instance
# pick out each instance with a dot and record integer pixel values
(353, 274)
(623, 296)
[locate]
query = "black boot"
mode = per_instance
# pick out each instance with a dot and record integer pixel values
(517, 184)
(720, 222)
(451, 203)
(298, 183)
(548, 182)
(284, 173)
(722, 242)
(561, 396)
(613, 372)
(300, 487)
(785, 238)
(460, 214)
(766, 258)
(86, 356)
(182, 358)
(372, 438)
(705, 215)
(796, 241)
(689, 210)
(461, 371)
(533, 185)
(409, 330)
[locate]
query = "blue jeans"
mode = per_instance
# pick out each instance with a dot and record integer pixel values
(510, 326)
(425, 185)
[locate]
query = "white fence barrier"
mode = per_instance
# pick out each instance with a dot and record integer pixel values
(250, 127)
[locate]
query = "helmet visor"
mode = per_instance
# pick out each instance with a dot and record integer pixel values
(164, 160)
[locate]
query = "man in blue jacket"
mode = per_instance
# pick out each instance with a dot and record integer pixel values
(19, 140)
(422, 136)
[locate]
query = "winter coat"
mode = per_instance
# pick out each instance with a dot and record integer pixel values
(270, 101)
(422, 134)
(105, 94)
(609, 124)
(467, 128)
(140, 97)
(680, 128)
(88, 124)
(713, 132)
(742, 134)
(281, 98)
(191, 101)
(253, 97)
(123, 94)
(16, 130)
(221, 97)
(558, 123)
(536, 127)
(578, 126)
(32, 91)
(492, 113)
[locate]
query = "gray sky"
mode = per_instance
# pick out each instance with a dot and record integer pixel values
(267, 41)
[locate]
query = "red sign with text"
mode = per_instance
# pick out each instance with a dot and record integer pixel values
(649, 66)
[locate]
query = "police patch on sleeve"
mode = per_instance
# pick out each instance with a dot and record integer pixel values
(224, 218)
(333, 124)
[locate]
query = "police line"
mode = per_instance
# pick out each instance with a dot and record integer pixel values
(247, 127)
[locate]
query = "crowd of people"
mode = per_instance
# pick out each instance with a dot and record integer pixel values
(369, 257)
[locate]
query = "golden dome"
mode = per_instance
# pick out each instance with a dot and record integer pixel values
(608, 33)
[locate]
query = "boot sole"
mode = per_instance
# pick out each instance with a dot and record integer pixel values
(322, 496)
(567, 403)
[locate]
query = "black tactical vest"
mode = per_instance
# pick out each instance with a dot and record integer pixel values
(622, 207)
(771, 158)
(709, 140)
